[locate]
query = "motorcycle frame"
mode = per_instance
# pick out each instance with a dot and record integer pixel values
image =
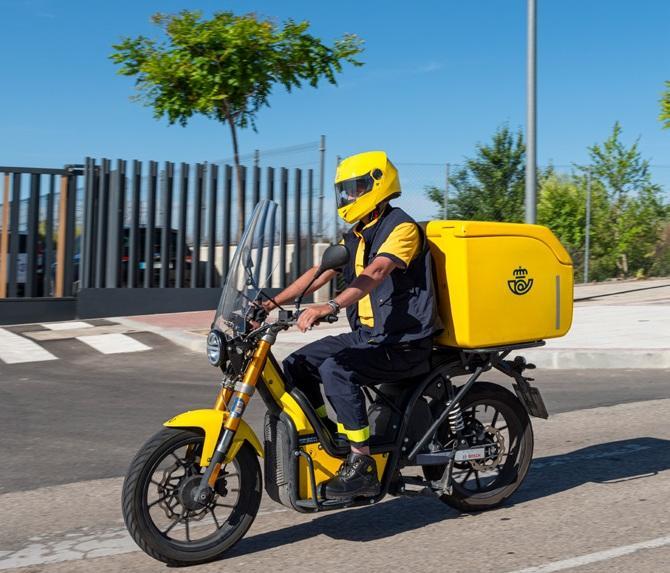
(224, 427)
(455, 362)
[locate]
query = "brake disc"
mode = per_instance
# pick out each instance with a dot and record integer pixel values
(491, 464)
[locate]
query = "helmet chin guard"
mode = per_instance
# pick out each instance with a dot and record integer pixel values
(363, 182)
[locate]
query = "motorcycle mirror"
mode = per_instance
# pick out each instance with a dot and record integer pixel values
(334, 257)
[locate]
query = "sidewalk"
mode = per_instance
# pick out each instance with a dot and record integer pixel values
(622, 324)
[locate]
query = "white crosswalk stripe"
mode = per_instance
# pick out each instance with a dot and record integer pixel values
(113, 343)
(15, 349)
(69, 325)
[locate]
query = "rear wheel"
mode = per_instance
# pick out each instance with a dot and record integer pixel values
(160, 513)
(495, 417)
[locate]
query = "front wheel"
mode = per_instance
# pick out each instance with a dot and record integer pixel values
(158, 507)
(492, 415)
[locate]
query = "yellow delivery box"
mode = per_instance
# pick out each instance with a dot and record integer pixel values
(500, 283)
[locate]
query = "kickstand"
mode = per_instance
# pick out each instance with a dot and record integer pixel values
(444, 485)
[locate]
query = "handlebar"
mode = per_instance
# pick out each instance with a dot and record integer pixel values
(286, 319)
(290, 317)
(331, 318)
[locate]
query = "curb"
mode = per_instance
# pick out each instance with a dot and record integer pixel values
(546, 358)
(585, 359)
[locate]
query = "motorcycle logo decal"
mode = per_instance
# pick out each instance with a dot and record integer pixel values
(520, 284)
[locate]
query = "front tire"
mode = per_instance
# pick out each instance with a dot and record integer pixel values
(156, 485)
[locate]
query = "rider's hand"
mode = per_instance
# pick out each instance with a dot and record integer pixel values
(313, 314)
(268, 305)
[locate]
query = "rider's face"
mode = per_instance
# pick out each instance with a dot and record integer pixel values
(361, 188)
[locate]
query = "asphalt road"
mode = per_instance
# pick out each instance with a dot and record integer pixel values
(595, 500)
(84, 416)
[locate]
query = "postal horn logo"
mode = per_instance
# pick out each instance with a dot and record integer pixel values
(520, 284)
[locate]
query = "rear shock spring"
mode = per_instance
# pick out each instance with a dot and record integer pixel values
(456, 423)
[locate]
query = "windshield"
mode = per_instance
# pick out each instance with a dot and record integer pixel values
(255, 258)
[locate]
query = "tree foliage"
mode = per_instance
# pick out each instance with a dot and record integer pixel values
(664, 116)
(636, 211)
(490, 187)
(225, 67)
(629, 221)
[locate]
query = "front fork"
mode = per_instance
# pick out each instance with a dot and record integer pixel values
(238, 398)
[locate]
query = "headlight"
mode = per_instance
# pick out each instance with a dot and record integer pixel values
(215, 349)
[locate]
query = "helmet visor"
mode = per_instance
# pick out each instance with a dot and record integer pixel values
(351, 189)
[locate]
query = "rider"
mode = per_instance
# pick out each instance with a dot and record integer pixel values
(390, 305)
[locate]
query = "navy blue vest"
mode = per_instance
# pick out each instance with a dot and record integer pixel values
(404, 304)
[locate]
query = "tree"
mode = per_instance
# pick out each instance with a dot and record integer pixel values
(562, 207)
(490, 187)
(664, 116)
(636, 208)
(226, 67)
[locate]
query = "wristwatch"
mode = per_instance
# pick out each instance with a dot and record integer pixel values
(334, 305)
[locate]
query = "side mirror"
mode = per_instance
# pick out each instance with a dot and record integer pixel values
(334, 257)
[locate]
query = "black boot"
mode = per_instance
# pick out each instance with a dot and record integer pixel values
(356, 477)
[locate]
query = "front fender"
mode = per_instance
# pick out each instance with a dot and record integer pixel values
(211, 421)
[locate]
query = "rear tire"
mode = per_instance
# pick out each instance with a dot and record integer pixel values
(137, 511)
(519, 447)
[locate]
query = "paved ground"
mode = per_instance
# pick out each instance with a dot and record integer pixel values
(102, 406)
(77, 400)
(595, 500)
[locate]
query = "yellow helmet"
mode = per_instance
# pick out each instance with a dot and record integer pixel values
(362, 182)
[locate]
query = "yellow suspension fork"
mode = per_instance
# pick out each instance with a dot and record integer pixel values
(238, 401)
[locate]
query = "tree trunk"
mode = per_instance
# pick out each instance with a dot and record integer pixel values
(238, 173)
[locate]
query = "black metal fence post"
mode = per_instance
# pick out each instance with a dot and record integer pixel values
(166, 223)
(226, 224)
(270, 190)
(297, 259)
(149, 244)
(256, 185)
(243, 198)
(211, 225)
(115, 224)
(181, 225)
(32, 238)
(70, 234)
(49, 237)
(86, 258)
(283, 227)
(197, 226)
(134, 234)
(103, 224)
(14, 215)
(310, 219)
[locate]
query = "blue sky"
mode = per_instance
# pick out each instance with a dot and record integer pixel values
(439, 77)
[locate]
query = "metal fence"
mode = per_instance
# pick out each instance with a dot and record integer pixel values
(37, 238)
(173, 225)
(130, 224)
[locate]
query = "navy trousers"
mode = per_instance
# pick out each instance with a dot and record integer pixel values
(343, 364)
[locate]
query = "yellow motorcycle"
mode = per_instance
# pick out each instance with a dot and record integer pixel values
(193, 490)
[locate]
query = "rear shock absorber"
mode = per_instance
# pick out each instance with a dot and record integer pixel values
(455, 418)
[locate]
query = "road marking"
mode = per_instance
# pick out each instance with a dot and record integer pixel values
(15, 349)
(69, 325)
(79, 544)
(113, 343)
(42, 335)
(598, 556)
